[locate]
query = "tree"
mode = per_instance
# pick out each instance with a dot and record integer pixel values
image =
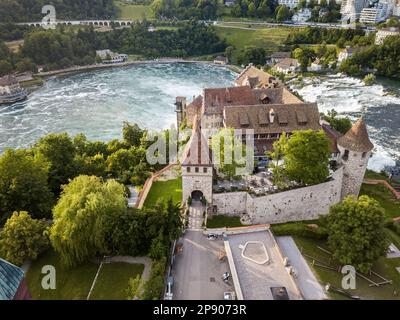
(229, 152)
(154, 286)
(341, 125)
(304, 56)
(26, 65)
(23, 184)
(83, 218)
(58, 151)
(132, 134)
(307, 157)
(277, 155)
(356, 232)
(5, 67)
(158, 248)
(282, 13)
(229, 52)
(23, 238)
(251, 55)
(302, 4)
(135, 287)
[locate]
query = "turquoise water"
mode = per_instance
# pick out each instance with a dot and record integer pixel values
(379, 104)
(96, 103)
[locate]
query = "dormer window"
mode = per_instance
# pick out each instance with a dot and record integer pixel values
(271, 116)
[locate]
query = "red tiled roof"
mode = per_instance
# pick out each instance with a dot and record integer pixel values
(215, 99)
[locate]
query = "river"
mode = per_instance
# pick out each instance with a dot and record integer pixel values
(96, 103)
(379, 104)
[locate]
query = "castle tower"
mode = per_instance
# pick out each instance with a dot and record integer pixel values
(355, 150)
(197, 169)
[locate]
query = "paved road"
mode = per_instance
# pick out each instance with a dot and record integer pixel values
(196, 215)
(197, 270)
(306, 280)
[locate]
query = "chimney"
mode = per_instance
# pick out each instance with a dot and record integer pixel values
(271, 116)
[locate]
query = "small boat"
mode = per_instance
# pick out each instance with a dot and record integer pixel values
(11, 91)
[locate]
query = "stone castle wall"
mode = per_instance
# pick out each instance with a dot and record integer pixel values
(294, 205)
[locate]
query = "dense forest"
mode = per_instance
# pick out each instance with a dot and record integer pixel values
(27, 10)
(329, 36)
(61, 48)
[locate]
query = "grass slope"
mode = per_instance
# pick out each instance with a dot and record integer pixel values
(384, 267)
(269, 38)
(133, 11)
(384, 197)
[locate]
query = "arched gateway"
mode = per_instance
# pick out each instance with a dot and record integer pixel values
(197, 195)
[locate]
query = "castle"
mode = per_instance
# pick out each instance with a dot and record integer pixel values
(262, 103)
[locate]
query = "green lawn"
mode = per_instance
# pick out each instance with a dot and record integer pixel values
(164, 190)
(220, 221)
(133, 11)
(384, 197)
(112, 282)
(75, 283)
(269, 38)
(72, 284)
(385, 267)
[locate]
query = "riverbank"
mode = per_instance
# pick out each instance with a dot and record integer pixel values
(79, 69)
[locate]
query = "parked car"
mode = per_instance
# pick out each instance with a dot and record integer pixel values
(212, 236)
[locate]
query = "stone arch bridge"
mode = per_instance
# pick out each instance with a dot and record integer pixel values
(106, 23)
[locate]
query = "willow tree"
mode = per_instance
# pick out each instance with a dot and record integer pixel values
(83, 216)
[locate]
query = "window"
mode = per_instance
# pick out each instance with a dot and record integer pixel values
(187, 169)
(346, 155)
(364, 154)
(196, 169)
(204, 170)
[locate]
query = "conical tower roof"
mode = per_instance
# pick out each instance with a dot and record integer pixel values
(356, 138)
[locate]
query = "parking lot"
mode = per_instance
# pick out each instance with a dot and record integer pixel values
(197, 269)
